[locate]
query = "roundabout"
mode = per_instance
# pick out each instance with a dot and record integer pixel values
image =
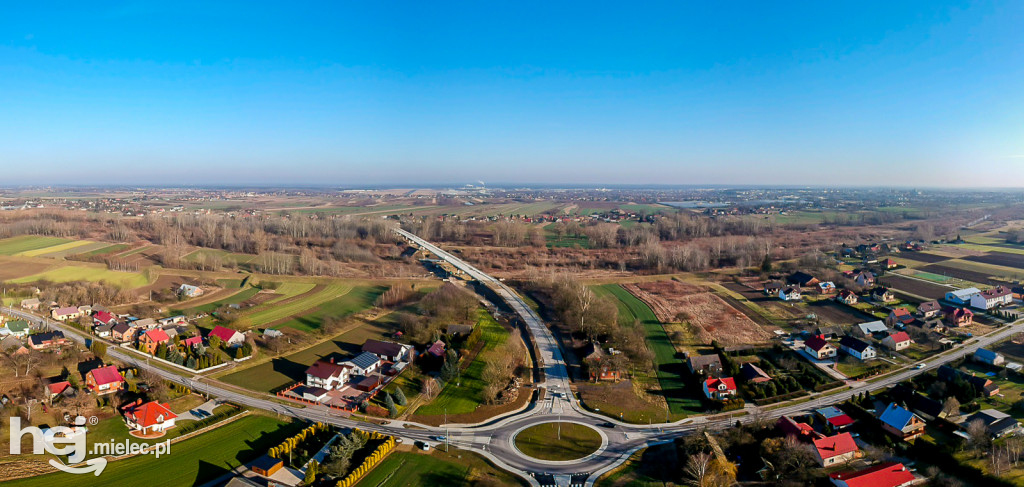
(558, 442)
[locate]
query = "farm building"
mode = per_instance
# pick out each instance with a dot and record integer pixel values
(266, 465)
(986, 356)
(754, 374)
(189, 291)
(390, 351)
(872, 327)
(802, 279)
(962, 297)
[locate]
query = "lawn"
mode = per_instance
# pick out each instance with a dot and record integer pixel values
(464, 394)
(190, 462)
(558, 441)
(281, 371)
(68, 273)
(26, 243)
(282, 310)
(414, 469)
(668, 367)
(654, 466)
(354, 301)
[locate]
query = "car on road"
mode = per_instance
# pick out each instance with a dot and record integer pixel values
(608, 425)
(919, 366)
(422, 445)
(440, 438)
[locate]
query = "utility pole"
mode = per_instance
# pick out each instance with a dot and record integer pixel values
(446, 430)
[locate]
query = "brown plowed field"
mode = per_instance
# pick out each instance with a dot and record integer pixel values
(914, 286)
(710, 316)
(1004, 259)
(973, 276)
(923, 257)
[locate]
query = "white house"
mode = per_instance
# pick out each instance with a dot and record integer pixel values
(327, 374)
(897, 341)
(962, 296)
(789, 294)
(720, 389)
(149, 417)
(364, 363)
(992, 298)
(858, 349)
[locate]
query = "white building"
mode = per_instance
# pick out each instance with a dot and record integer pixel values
(992, 298)
(962, 296)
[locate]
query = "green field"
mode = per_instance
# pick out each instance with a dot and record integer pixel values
(281, 371)
(241, 295)
(291, 289)
(558, 441)
(667, 366)
(465, 396)
(458, 469)
(108, 249)
(28, 243)
(223, 255)
(554, 241)
(266, 315)
(931, 276)
(354, 301)
(64, 250)
(68, 273)
(190, 462)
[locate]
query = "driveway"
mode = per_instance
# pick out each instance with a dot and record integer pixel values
(201, 411)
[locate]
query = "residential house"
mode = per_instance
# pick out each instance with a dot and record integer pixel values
(864, 278)
(772, 288)
(227, 336)
(992, 298)
(18, 328)
(327, 374)
(50, 339)
(103, 331)
(122, 333)
(819, 348)
(889, 474)
(315, 394)
(789, 294)
(143, 324)
(364, 363)
(191, 342)
(901, 423)
(835, 417)
(30, 304)
(390, 351)
(459, 330)
(189, 291)
(983, 385)
(149, 418)
(829, 332)
(802, 279)
(888, 264)
(720, 389)
(956, 317)
(897, 341)
(104, 380)
(989, 357)
(827, 287)
(835, 450)
(754, 374)
(66, 313)
(899, 317)
(857, 348)
(707, 365)
(58, 388)
(104, 318)
(872, 327)
(437, 349)
(997, 423)
(602, 372)
(151, 339)
(847, 296)
(929, 309)
(801, 431)
(926, 407)
(962, 297)
(882, 295)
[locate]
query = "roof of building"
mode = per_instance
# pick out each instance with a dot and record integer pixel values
(889, 474)
(41, 338)
(900, 337)
(67, 310)
(773, 285)
(961, 312)
(701, 361)
(836, 445)
(753, 372)
(17, 326)
(225, 334)
(58, 387)
(460, 329)
(789, 426)
(265, 462)
(815, 343)
(897, 416)
(188, 288)
(965, 294)
(854, 344)
(144, 323)
(120, 328)
(791, 290)
(379, 347)
(437, 349)
(985, 354)
(106, 375)
(150, 413)
(192, 341)
(104, 317)
(364, 360)
(157, 335)
(928, 307)
(873, 327)
(845, 293)
(801, 278)
(996, 292)
(323, 369)
(713, 383)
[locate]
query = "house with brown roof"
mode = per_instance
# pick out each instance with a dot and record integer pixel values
(328, 375)
(929, 310)
(899, 316)
(959, 317)
(818, 348)
(754, 374)
(390, 351)
(992, 298)
(66, 313)
(846, 296)
(122, 333)
(708, 365)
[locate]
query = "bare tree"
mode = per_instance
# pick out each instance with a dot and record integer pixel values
(951, 407)
(977, 433)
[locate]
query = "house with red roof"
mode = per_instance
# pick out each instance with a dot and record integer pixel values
(104, 380)
(191, 341)
(150, 340)
(818, 348)
(437, 349)
(846, 296)
(326, 374)
(888, 474)
(149, 418)
(104, 318)
(835, 450)
(835, 417)
(959, 317)
(57, 388)
(897, 341)
(801, 431)
(899, 316)
(720, 389)
(227, 336)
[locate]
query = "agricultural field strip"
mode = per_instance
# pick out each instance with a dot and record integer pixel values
(298, 304)
(67, 273)
(56, 249)
(289, 290)
(25, 243)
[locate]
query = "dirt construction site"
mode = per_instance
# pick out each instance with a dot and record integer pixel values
(710, 317)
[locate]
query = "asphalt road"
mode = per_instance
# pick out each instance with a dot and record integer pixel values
(494, 439)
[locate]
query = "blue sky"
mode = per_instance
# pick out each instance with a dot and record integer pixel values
(827, 93)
